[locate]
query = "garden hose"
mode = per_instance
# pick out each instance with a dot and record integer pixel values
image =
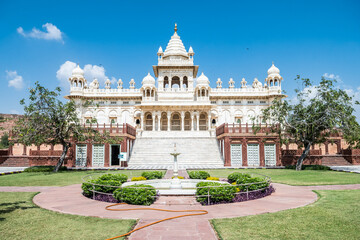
(199, 212)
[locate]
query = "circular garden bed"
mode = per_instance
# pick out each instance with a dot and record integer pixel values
(237, 187)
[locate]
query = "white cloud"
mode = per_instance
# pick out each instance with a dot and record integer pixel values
(51, 33)
(332, 76)
(64, 73)
(14, 80)
(94, 71)
(90, 72)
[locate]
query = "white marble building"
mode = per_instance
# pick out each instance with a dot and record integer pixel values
(176, 99)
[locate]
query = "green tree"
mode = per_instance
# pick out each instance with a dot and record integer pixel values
(47, 120)
(319, 112)
(4, 143)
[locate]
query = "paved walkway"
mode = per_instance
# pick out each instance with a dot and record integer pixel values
(69, 200)
(355, 169)
(11, 169)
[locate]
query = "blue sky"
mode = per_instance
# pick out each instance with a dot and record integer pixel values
(230, 39)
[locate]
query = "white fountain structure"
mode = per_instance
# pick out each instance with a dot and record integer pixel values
(174, 186)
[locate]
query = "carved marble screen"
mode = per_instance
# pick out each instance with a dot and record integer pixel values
(253, 155)
(236, 154)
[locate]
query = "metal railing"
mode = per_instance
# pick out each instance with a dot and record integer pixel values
(267, 180)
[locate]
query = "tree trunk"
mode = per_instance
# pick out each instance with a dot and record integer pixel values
(62, 157)
(302, 157)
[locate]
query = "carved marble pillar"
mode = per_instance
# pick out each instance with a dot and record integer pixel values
(197, 122)
(192, 122)
(142, 121)
(159, 124)
(209, 121)
(168, 117)
(153, 122)
(182, 121)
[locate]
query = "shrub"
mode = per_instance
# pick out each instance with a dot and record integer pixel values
(116, 177)
(199, 175)
(213, 178)
(261, 183)
(225, 193)
(136, 194)
(236, 175)
(310, 167)
(152, 175)
(179, 177)
(138, 179)
(104, 186)
(109, 182)
(43, 169)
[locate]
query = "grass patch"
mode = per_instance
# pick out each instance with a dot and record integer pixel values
(292, 177)
(62, 178)
(335, 216)
(21, 219)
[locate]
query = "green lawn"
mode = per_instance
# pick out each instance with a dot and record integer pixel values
(292, 177)
(55, 179)
(21, 219)
(335, 216)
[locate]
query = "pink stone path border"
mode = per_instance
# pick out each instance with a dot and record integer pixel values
(69, 200)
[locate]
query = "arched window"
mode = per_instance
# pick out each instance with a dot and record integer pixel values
(185, 82)
(175, 82)
(166, 82)
(148, 122)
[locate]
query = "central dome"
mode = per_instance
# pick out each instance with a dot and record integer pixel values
(175, 47)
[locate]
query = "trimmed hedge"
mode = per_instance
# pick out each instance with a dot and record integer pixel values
(310, 167)
(109, 182)
(109, 186)
(198, 174)
(152, 175)
(44, 169)
(236, 175)
(116, 177)
(225, 193)
(136, 194)
(262, 183)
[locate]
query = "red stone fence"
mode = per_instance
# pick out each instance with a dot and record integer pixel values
(242, 128)
(124, 128)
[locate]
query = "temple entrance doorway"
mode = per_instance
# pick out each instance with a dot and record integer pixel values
(114, 155)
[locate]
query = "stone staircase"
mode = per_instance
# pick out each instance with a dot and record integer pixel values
(334, 160)
(197, 150)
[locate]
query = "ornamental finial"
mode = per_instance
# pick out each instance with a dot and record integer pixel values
(175, 29)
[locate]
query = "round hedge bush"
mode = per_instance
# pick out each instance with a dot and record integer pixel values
(223, 193)
(233, 177)
(259, 183)
(136, 194)
(152, 175)
(106, 183)
(199, 175)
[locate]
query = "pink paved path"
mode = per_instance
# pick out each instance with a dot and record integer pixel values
(69, 200)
